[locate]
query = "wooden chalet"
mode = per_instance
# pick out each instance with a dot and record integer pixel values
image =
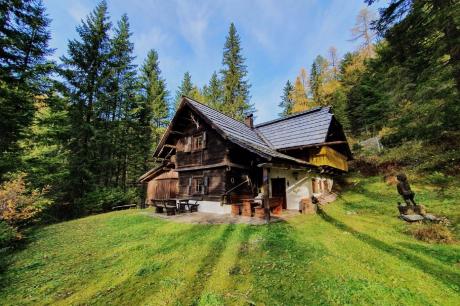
(218, 160)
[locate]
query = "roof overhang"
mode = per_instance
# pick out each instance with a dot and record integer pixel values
(152, 173)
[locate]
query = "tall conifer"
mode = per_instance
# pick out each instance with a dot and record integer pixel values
(24, 46)
(87, 71)
(235, 85)
(213, 92)
(287, 102)
(185, 88)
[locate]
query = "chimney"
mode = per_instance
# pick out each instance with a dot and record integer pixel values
(249, 121)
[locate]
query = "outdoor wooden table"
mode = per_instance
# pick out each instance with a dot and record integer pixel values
(186, 205)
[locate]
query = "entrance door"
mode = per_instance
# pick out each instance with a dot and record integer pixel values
(279, 189)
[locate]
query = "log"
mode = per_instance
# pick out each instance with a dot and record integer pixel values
(259, 212)
(307, 206)
(277, 210)
(235, 210)
(246, 210)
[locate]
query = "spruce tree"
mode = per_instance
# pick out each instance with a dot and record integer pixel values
(317, 78)
(213, 92)
(24, 39)
(185, 88)
(287, 102)
(44, 153)
(153, 108)
(154, 91)
(87, 71)
(116, 141)
(236, 97)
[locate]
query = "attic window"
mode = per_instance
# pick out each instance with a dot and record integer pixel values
(197, 142)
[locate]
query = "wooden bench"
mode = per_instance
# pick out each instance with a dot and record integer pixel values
(120, 207)
(168, 205)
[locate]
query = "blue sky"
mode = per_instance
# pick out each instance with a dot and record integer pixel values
(278, 37)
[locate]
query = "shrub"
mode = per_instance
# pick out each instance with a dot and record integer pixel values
(211, 299)
(8, 234)
(438, 178)
(104, 199)
(18, 205)
(433, 233)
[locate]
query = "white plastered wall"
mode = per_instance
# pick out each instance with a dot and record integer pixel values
(298, 185)
(214, 207)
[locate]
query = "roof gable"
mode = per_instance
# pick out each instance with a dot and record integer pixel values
(230, 129)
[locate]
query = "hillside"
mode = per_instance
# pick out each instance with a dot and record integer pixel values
(356, 252)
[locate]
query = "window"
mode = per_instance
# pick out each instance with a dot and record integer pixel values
(197, 142)
(199, 186)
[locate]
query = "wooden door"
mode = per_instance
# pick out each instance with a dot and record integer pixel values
(279, 189)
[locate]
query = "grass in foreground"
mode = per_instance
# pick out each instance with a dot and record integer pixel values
(355, 252)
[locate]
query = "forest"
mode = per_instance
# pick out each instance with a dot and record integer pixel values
(78, 132)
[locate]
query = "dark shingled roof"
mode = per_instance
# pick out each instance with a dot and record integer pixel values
(238, 132)
(302, 129)
(305, 128)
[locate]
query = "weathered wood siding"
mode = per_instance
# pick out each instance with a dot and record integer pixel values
(214, 190)
(213, 153)
(236, 177)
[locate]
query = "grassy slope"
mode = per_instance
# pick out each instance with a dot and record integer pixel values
(356, 252)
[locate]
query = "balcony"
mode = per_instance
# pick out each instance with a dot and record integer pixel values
(329, 157)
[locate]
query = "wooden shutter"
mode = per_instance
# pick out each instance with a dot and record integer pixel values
(188, 144)
(190, 185)
(204, 140)
(205, 185)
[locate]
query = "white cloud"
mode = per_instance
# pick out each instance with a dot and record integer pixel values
(154, 38)
(193, 21)
(77, 10)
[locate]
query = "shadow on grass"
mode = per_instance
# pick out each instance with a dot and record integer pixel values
(281, 268)
(373, 202)
(442, 253)
(443, 275)
(195, 286)
(147, 276)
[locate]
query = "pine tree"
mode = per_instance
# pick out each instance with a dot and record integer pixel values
(185, 88)
(44, 154)
(87, 72)
(287, 102)
(197, 94)
(235, 86)
(212, 93)
(317, 79)
(24, 38)
(116, 140)
(154, 92)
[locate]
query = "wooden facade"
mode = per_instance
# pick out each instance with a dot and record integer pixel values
(161, 185)
(217, 159)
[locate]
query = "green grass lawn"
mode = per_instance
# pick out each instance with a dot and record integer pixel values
(356, 252)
